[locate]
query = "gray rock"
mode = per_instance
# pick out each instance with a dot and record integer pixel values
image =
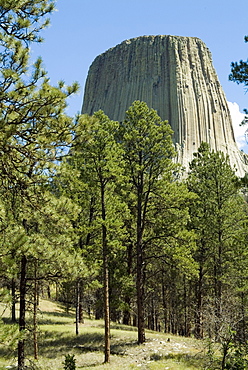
(175, 76)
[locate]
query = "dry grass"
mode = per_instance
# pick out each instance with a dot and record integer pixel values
(57, 338)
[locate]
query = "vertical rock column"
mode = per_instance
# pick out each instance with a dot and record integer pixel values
(173, 75)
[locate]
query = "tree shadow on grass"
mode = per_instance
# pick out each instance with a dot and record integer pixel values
(54, 318)
(7, 352)
(53, 342)
(57, 314)
(123, 327)
(185, 358)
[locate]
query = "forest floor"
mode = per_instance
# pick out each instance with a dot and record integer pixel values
(57, 339)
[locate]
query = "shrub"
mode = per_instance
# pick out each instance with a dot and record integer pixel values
(69, 363)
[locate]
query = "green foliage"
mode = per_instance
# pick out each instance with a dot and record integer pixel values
(33, 126)
(34, 131)
(219, 219)
(70, 362)
(22, 19)
(239, 74)
(95, 165)
(239, 71)
(9, 335)
(147, 143)
(95, 143)
(237, 360)
(157, 204)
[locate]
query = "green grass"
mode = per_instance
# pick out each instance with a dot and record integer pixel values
(57, 338)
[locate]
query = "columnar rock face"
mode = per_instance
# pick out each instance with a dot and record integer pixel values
(173, 75)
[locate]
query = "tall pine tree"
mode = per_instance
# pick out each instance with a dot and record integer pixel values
(148, 153)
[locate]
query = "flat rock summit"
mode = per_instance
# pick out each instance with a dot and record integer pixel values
(175, 76)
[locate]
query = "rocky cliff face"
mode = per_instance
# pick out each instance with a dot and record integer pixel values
(173, 75)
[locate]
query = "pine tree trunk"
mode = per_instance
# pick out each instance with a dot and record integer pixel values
(140, 275)
(91, 217)
(80, 313)
(198, 319)
(89, 310)
(126, 313)
(56, 291)
(218, 285)
(48, 292)
(151, 319)
(13, 300)
(134, 320)
(165, 309)
(140, 301)
(35, 312)
(22, 320)
(105, 278)
(243, 320)
(77, 306)
(185, 308)
(157, 323)
(223, 362)
(106, 310)
(99, 305)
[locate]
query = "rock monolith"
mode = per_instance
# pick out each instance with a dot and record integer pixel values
(175, 76)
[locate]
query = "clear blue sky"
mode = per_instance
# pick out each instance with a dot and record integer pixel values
(82, 29)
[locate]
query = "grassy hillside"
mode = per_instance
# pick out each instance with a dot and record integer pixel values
(57, 338)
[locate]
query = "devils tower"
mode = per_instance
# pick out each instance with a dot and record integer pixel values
(175, 76)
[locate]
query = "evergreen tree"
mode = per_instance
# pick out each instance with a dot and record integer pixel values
(218, 218)
(32, 120)
(99, 158)
(169, 249)
(33, 126)
(239, 74)
(148, 153)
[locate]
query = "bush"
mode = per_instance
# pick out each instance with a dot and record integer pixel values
(69, 363)
(237, 361)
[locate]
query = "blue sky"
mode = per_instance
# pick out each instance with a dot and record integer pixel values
(82, 29)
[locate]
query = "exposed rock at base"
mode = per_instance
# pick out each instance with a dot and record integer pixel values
(175, 76)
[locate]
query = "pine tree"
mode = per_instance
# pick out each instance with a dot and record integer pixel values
(33, 126)
(148, 153)
(239, 74)
(99, 158)
(218, 218)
